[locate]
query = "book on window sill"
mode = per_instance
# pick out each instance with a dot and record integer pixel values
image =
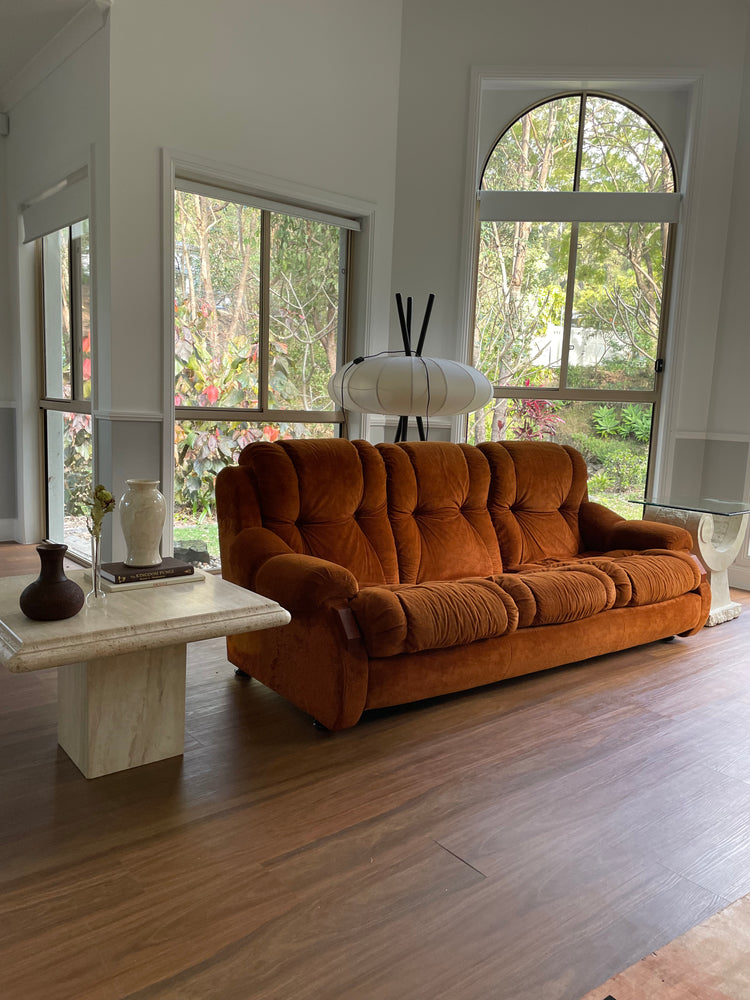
(169, 568)
(167, 581)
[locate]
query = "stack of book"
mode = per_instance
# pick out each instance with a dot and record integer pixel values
(118, 576)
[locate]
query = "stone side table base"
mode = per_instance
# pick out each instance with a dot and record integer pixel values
(717, 542)
(121, 711)
(726, 614)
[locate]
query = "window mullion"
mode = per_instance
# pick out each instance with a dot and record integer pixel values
(579, 145)
(76, 317)
(572, 254)
(568, 314)
(343, 297)
(264, 310)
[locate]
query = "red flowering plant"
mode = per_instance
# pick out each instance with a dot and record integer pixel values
(534, 419)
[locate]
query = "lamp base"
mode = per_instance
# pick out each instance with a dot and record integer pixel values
(403, 427)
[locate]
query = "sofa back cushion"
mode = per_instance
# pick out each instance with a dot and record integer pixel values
(326, 498)
(437, 506)
(535, 493)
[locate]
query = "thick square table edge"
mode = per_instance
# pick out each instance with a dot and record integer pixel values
(122, 670)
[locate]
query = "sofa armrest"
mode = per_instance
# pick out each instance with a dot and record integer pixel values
(247, 552)
(603, 530)
(304, 583)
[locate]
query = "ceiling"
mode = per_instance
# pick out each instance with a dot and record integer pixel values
(26, 26)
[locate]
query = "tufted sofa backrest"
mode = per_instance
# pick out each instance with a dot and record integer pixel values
(411, 512)
(535, 495)
(326, 498)
(437, 506)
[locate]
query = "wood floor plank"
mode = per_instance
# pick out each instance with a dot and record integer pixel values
(528, 839)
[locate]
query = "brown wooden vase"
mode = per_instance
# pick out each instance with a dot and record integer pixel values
(52, 596)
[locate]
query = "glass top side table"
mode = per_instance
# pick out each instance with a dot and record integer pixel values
(718, 529)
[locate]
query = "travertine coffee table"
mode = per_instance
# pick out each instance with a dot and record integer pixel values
(121, 682)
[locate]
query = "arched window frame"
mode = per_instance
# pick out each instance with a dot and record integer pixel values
(576, 207)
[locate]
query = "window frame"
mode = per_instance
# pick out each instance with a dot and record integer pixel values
(263, 413)
(577, 207)
(77, 403)
(365, 273)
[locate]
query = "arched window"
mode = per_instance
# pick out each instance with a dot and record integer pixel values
(577, 210)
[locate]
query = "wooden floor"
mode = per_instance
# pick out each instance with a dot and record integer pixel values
(522, 842)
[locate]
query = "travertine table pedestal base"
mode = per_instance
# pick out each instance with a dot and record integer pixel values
(116, 712)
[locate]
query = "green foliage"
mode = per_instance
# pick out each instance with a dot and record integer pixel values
(632, 421)
(600, 482)
(606, 421)
(616, 466)
(596, 451)
(628, 469)
(636, 422)
(77, 463)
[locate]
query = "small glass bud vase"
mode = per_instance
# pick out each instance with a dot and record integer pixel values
(96, 597)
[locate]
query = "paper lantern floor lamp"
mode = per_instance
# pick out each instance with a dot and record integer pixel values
(409, 384)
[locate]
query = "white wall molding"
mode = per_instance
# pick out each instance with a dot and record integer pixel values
(739, 577)
(78, 30)
(127, 415)
(711, 436)
(381, 427)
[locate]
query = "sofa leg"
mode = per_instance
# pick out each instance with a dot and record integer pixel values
(320, 727)
(669, 638)
(241, 675)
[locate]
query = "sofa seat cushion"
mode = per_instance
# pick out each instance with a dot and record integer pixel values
(410, 618)
(657, 575)
(551, 595)
(639, 578)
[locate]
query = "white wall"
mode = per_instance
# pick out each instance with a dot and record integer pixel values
(57, 127)
(6, 340)
(8, 502)
(574, 45)
(729, 421)
(730, 411)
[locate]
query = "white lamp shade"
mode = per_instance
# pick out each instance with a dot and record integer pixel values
(410, 386)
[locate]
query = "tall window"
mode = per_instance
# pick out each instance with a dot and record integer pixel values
(260, 313)
(577, 210)
(66, 390)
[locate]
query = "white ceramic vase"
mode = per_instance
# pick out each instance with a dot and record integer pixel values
(142, 511)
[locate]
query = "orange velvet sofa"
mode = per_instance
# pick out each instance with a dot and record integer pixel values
(421, 569)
